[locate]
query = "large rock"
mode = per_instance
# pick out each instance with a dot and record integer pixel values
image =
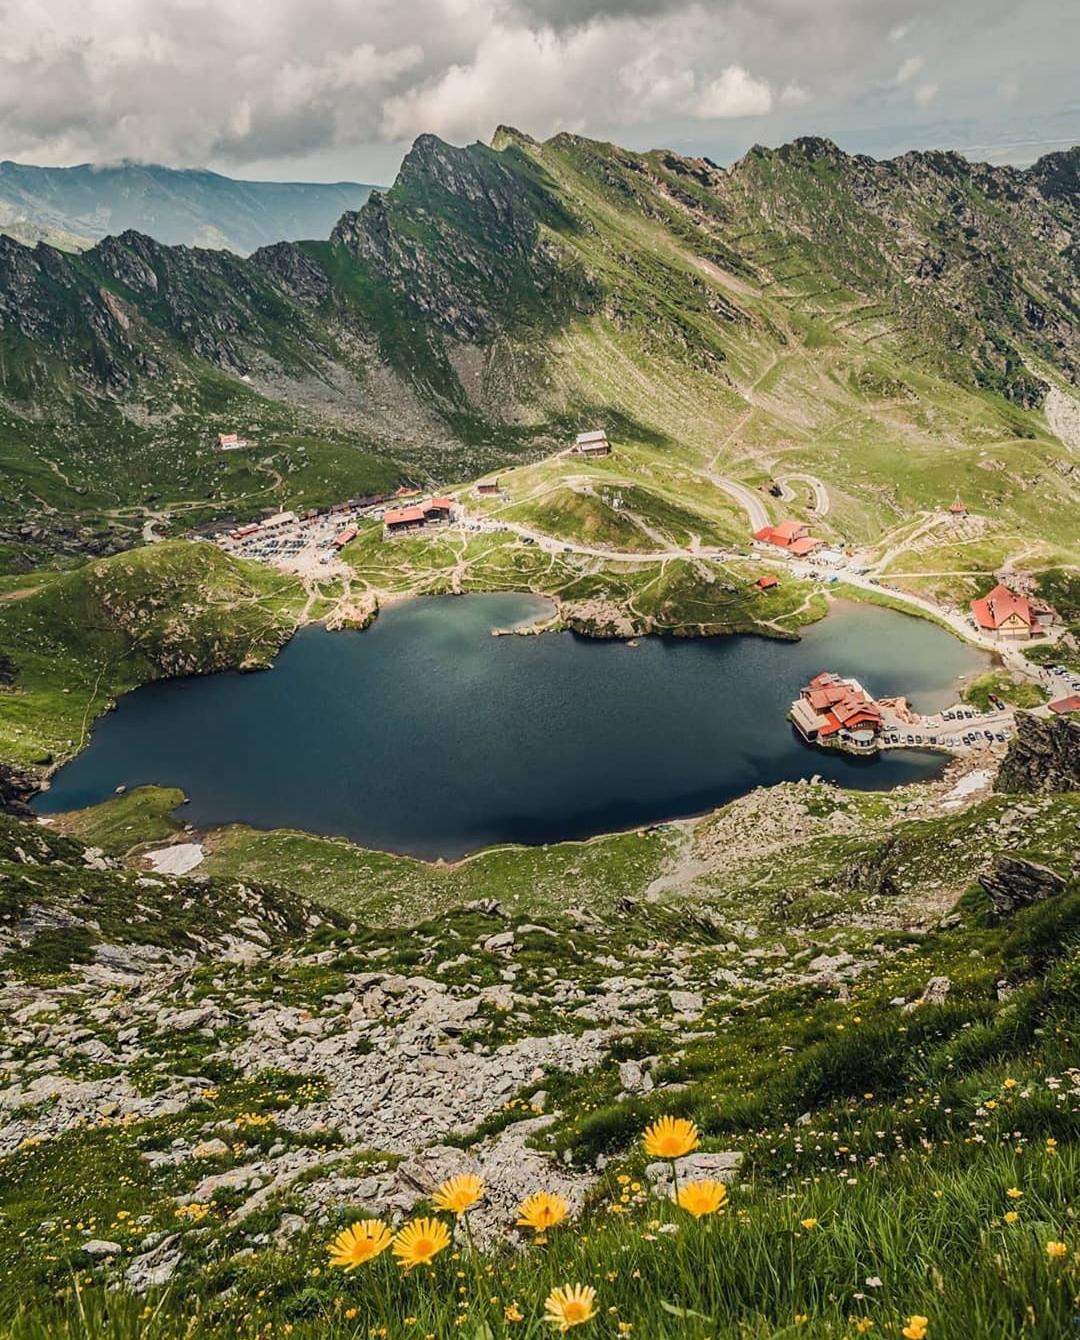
(1043, 757)
(721, 1166)
(1014, 882)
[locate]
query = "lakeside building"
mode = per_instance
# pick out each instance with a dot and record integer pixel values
(838, 713)
(792, 536)
(1008, 617)
(594, 443)
(435, 512)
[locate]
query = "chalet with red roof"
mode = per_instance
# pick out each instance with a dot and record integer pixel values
(1004, 615)
(838, 713)
(792, 536)
(430, 513)
(767, 583)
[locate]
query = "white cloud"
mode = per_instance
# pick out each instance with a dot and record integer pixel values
(734, 93)
(232, 82)
(909, 69)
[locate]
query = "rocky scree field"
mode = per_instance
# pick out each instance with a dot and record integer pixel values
(205, 1079)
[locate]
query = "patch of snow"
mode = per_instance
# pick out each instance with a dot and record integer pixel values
(966, 786)
(177, 859)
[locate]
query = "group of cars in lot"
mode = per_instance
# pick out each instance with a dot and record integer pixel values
(996, 730)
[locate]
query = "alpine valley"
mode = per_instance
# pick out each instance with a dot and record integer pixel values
(673, 400)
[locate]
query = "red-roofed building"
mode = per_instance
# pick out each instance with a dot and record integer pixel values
(342, 538)
(767, 583)
(1004, 615)
(958, 508)
(792, 536)
(1065, 705)
(405, 518)
(838, 713)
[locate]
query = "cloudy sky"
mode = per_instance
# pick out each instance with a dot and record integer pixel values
(329, 89)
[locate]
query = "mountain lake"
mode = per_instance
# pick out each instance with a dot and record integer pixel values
(426, 735)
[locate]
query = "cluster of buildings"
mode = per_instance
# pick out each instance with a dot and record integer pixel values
(396, 521)
(838, 713)
(1006, 616)
(793, 537)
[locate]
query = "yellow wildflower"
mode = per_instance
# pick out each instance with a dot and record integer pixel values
(671, 1138)
(459, 1194)
(915, 1328)
(864, 1324)
(1014, 1193)
(570, 1305)
(513, 1313)
(541, 1211)
(420, 1241)
(701, 1198)
(808, 1223)
(1056, 1250)
(359, 1243)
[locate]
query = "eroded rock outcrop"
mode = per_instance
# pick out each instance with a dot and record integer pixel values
(1043, 757)
(1014, 882)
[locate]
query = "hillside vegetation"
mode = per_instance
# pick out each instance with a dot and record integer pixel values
(74, 641)
(867, 1010)
(892, 328)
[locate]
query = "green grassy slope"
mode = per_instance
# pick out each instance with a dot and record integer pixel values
(79, 639)
(897, 1160)
(873, 324)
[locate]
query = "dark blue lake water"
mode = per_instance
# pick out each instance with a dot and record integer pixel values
(427, 735)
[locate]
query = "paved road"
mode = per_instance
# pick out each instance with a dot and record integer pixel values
(552, 545)
(746, 498)
(822, 501)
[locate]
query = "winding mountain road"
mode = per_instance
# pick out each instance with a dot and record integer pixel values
(822, 501)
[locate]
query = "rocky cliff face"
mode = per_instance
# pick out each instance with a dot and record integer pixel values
(459, 237)
(1044, 757)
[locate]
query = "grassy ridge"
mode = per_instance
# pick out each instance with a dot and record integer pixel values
(79, 639)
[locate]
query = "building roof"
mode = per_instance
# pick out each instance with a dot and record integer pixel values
(958, 507)
(999, 606)
(404, 515)
(343, 537)
(790, 530)
(596, 435)
(1063, 705)
(439, 503)
(767, 583)
(840, 704)
(805, 544)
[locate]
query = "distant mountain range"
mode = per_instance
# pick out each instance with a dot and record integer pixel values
(892, 327)
(73, 207)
